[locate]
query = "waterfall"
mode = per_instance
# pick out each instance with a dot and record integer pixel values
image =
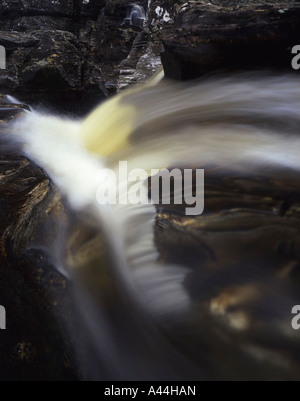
(135, 15)
(132, 321)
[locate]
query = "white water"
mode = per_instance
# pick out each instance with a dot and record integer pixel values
(136, 15)
(242, 123)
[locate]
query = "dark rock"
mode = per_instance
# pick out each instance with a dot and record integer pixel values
(141, 64)
(47, 65)
(244, 277)
(211, 38)
(119, 8)
(16, 40)
(69, 54)
(39, 22)
(66, 55)
(10, 8)
(91, 9)
(161, 13)
(43, 65)
(144, 58)
(102, 64)
(55, 64)
(36, 343)
(10, 111)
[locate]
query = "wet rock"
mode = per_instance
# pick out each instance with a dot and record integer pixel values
(91, 9)
(69, 54)
(109, 43)
(148, 64)
(161, 13)
(214, 38)
(10, 111)
(144, 59)
(42, 65)
(244, 273)
(9, 8)
(39, 22)
(16, 40)
(55, 63)
(65, 59)
(108, 54)
(35, 344)
(141, 64)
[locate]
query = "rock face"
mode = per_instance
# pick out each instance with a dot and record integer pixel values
(68, 53)
(144, 60)
(35, 345)
(210, 38)
(71, 54)
(65, 53)
(59, 8)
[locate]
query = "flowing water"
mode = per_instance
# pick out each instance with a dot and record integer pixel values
(139, 318)
(136, 15)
